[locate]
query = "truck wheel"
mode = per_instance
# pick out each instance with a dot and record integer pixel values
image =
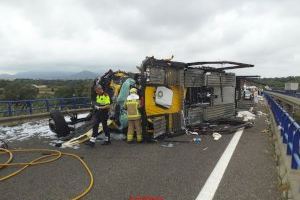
(58, 124)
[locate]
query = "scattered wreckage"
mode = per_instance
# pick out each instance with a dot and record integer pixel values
(175, 96)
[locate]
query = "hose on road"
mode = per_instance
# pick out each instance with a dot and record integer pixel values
(48, 156)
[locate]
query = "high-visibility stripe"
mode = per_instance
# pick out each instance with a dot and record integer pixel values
(138, 115)
(129, 137)
(132, 102)
(103, 99)
(139, 137)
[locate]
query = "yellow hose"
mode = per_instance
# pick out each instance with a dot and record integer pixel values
(9, 159)
(52, 155)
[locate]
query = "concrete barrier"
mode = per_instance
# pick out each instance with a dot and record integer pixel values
(289, 178)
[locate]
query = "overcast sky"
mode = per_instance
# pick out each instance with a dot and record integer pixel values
(75, 35)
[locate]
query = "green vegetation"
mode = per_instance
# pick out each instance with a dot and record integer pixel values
(77, 89)
(278, 83)
(21, 89)
(18, 91)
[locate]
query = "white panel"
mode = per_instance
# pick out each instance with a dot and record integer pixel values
(164, 97)
(228, 95)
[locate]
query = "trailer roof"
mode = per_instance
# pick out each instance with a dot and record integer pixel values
(232, 65)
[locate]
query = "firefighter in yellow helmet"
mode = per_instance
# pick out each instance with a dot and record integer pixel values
(132, 104)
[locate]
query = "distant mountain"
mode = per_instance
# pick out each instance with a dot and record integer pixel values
(84, 75)
(50, 75)
(43, 75)
(6, 76)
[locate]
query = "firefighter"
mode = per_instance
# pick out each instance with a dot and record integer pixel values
(132, 104)
(102, 106)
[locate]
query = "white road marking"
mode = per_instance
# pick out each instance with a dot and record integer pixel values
(212, 183)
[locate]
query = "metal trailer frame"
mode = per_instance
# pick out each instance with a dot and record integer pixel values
(209, 78)
(201, 93)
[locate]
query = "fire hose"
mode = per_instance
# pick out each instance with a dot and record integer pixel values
(47, 157)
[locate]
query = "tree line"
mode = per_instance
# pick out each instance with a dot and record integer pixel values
(21, 89)
(278, 83)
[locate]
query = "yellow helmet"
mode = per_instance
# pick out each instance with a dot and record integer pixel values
(133, 90)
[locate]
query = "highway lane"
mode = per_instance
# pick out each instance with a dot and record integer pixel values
(122, 171)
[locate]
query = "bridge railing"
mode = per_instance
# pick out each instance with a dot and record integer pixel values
(28, 107)
(289, 129)
(289, 93)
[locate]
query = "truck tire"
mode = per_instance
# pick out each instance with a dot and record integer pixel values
(58, 124)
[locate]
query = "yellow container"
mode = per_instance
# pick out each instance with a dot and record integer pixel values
(153, 109)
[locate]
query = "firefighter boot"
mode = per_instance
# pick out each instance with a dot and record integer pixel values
(139, 138)
(129, 138)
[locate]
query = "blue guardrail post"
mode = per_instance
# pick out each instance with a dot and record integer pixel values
(10, 111)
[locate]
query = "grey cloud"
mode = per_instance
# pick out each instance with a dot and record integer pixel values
(79, 34)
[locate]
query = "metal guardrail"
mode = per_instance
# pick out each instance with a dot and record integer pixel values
(29, 107)
(285, 98)
(290, 131)
(292, 94)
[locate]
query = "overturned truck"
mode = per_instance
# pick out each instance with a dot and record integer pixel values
(174, 95)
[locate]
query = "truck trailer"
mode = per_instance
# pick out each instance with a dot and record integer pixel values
(174, 95)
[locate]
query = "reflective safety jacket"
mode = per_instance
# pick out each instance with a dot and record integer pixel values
(103, 100)
(132, 104)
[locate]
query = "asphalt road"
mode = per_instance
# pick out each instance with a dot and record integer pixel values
(251, 173)
(122, 171)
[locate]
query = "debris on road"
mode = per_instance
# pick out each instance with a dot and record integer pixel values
(191, 132)
(265, 131)
(260, 98)
(216, 136)
(197, 140)
(224, 126)
(267, 121)
(168, 145)
(246, 116)
(260, 113)
(251, 109)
